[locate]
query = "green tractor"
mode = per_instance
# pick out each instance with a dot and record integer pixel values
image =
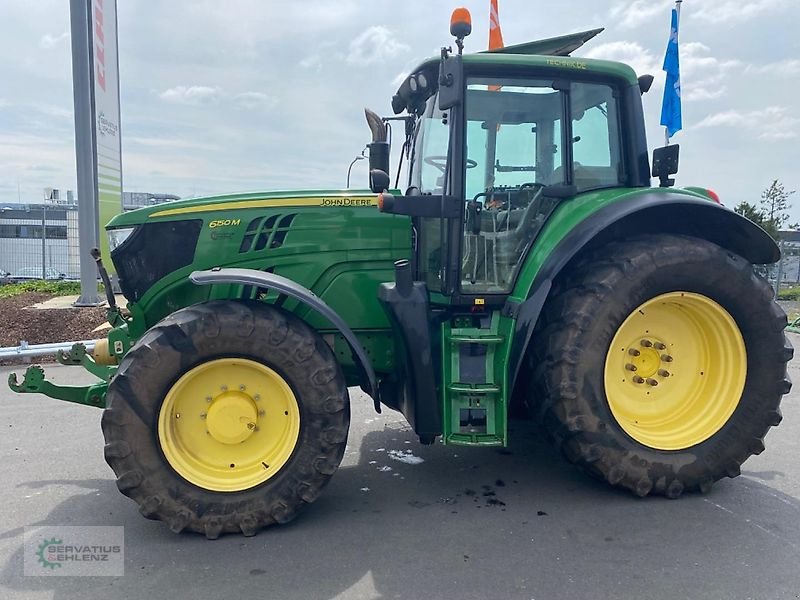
(529, 264)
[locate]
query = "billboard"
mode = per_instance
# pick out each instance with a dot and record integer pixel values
(105, 106)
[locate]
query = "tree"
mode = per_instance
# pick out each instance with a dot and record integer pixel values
(772, 212)
(757, 216)
(775, 204)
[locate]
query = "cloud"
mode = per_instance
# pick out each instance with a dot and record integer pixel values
(781, 68)
(374, 45)
(639, 58)
(51, 110)
(169, 142)
(770, 123)
(48, 41)
(313, 61)
(197, 95)
(200, 95)
(254, 101)
(729, 11)
(703, 76)
(631, 15)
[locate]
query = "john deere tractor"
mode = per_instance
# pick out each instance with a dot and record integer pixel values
(528, 263)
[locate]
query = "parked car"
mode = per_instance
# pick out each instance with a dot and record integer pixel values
(30, 273)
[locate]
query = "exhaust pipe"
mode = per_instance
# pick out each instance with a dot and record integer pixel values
(378, 151)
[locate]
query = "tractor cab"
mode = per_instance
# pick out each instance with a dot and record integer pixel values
(508, 136)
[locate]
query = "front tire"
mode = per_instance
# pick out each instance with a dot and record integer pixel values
(226, 417)
(660, 364)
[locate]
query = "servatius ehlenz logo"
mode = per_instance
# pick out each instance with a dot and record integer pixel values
(46, 553)
(74, 551)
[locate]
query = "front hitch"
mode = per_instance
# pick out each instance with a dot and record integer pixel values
(34, 382)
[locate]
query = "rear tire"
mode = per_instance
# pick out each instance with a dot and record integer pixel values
(587, 401)
(275, 346)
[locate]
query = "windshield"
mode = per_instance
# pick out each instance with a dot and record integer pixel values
(521, 135)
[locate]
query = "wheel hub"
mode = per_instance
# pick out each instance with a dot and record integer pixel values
(675, 371)
(232, 418)
(647, 362)
(229, 424)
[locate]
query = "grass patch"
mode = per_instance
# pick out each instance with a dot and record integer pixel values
(55, 288)
(790, 293)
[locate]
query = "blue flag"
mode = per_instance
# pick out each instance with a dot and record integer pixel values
(671, 106)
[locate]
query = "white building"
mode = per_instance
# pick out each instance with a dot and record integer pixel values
(42, 239)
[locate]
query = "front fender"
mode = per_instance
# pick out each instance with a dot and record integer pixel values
(644, 213)
(369, 382)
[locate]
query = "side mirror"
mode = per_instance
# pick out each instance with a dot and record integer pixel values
(378, 180)
(665, 163)
(645, 81)
(451, 81)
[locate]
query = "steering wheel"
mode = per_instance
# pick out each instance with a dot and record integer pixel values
(440, 162)
(532, 185)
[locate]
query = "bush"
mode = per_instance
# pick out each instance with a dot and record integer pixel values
(54, 288)
(790, 293)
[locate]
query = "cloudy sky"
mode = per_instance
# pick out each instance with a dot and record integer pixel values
(260, 94)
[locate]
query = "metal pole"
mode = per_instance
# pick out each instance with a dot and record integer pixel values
(81, 31)
(44, 241)
(779, 273)
(797, 279)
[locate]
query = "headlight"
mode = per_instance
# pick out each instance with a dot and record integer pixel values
(116, 237)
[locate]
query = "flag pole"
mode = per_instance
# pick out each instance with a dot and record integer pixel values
(677, 8)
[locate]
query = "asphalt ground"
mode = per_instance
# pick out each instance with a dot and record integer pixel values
(461, 523)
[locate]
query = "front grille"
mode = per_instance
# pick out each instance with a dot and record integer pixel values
(153, 251)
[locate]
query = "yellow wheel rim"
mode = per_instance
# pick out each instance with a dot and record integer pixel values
(675, 371)
(228, 425)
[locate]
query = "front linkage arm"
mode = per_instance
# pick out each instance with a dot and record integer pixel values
(34, 382)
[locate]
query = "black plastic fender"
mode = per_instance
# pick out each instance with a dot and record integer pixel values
(369, 382)
(648, 212)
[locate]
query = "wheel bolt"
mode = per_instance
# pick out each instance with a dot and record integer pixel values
(242, 388)
(659, 346)
(203, 415)
(224, 388)
(652, 382)
(634, 352)
(257, 397)
(646, 343)
(208, 398)
(630, 367)
(251, 426)
(663, 373)
(637, 379)
(666, 358)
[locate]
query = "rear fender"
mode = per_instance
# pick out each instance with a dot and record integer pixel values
(649, 212)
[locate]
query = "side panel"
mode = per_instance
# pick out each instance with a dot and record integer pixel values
(339, 247)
